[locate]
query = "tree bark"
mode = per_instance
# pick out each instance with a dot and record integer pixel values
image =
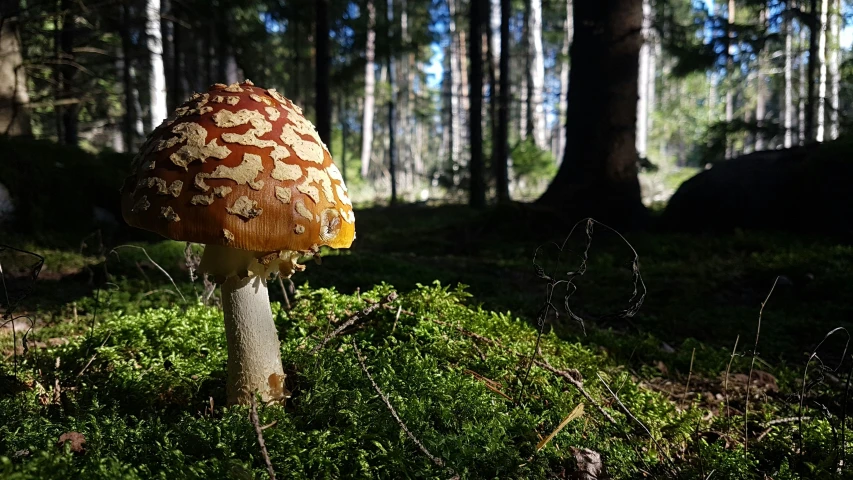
(821, 49)
(322, 102)
(730, 85)
(834, 64)
(811, 100)
(369, 87)
(645, 67)
(457, 87)
(803, 98)
(392, 100)
(568, 32)
(788, 105)
(537, 76)
(501, 151)
(156, 74)
(14, 116)
(761, 91)
(477, 188)
(598, 176)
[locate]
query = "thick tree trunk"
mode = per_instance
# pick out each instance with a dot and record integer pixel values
(643, 80)
(537, 76)
(369, 87)
(821, 51)
(788, 105)
(598, 176)
(322, 102)
(493, 43)
(14, 116)
(834, 55)
(477, 188)
(156, 74)
(500, 155)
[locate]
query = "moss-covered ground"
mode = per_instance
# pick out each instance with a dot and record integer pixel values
(136, 363)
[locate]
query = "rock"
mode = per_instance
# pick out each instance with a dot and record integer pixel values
(802, 189)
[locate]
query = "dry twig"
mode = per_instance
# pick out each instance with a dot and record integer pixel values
(439, 462)
(256, 422)
(354, 318)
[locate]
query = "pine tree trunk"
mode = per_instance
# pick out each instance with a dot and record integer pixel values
(14, 97)
(456, 93)
(645, 67)
(501, 151)
(369, 87)
(322, 102)
(788, 105)
(392, 114)
(178, 87)
(598, 176)
(477, 188)
(803, 96)
(811, 99)
(537, 76)
(761, 91)
(730, 86)
(343, 118)
(834, 64)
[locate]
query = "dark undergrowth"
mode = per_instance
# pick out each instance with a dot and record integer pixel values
(135, 363)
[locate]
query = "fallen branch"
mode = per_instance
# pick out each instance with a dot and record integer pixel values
(256, 422)
(439, 462)
(354, 318)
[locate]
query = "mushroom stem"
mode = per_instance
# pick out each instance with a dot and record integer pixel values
(254, 354)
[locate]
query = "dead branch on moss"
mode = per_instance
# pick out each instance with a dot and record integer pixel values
(256, 422)
(437, 461)
(354, 318)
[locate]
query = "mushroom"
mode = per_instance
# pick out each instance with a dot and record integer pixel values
(240, 170)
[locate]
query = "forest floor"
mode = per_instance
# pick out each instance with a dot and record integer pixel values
(667, 367)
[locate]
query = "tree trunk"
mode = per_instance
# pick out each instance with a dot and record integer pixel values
(14, 116)
(803, 97)
(493, 43)
(814, 29)
(156, 74)
(568, 32)
(392, 99)
(645, 67)
(343, 117)
(178, 89)
(834, 64)
(788, 105)
(761, 91)
(477, 188)
(322, 103)
(537, 76)
(598, 176)
(456, 89)
(821, 49)
(369, 87)
(500, 155)
(730, 85)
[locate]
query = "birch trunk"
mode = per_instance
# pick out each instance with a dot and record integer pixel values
(568, 31)
(369, 87)
(821, 99)
(834, 64)
(788, 105)
(14, 117)
(537, 76)
(156, 75)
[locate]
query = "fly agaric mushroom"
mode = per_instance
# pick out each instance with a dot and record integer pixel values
(240, 170)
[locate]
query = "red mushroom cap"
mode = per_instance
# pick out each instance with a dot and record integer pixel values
(239, 166)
